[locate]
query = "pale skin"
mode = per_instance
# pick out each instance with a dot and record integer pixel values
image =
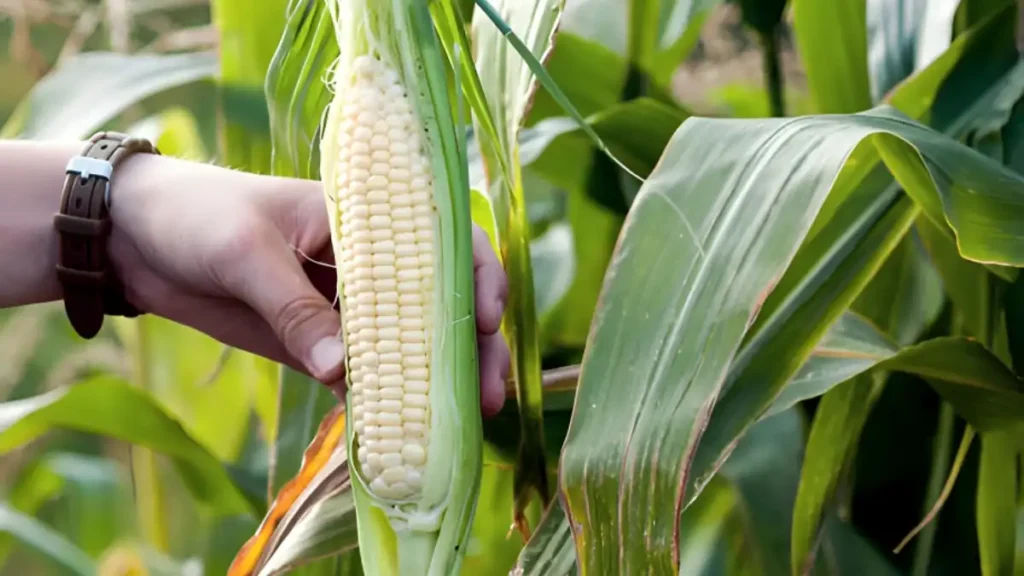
(244, 258)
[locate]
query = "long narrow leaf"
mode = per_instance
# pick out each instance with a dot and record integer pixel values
(535, 66)
(997, 504)
(508, 81)
(48, 112)
(295, 89)
(730, 240)
(52, 545)
(833, 266)
(114, 408)
(832, 37)
(838, 422)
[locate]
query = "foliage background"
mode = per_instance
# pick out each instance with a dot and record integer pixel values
(126, 510)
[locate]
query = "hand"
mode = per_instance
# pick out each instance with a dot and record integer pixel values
(247, 259)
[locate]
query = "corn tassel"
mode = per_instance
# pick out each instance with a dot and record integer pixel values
(396, 185)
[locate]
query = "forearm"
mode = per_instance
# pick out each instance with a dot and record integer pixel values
(29, 197)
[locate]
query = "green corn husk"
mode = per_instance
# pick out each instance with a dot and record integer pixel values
(426, 534)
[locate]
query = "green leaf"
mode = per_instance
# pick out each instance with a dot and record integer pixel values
(681, 25)
(251, 37)
(832, 41)
(591, 75)
(970, 12)
(656, 35)
(743, 508)
(492, 548)
(46, 541)
(553, 265)
(205, 385)
(1014, 310)
(32, 487)
(848, 552)
(764, 470)
(302, 404)
(985, 130)
(296, 93)
(712, 230)
(852, 346)
(967, 284)
(851, 235)
(175, 133)
(997, 504)
(99, 406)
(838, 422)
(964, 372)
(901, 36)
(905, 296)
(550, 551)
(735, 522)
(637, 131)
(508, 81)
(483, 216)
(69, 103)
(94, 507)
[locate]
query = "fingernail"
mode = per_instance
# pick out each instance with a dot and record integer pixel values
(327, 356)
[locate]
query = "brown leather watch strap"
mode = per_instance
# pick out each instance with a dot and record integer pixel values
(91, 290)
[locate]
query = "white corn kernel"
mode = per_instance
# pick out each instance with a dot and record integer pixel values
(387, 267)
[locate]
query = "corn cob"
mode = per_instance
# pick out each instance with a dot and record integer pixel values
(397, 194)
(387, 249)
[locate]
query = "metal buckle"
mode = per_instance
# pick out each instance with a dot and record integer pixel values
(86, 167)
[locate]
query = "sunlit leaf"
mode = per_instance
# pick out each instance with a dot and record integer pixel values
(832, 41)
(248, 40)
(666, 31)
(102, 405)
(296, 92)
(904, 298)
(591, 75)
(201, 382)
(996, 501)
(904, 36)
(175, 132)
(69, 103)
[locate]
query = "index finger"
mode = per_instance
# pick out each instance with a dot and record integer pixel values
(491, 283)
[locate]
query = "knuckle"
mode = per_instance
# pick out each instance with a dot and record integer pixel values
(290, 319)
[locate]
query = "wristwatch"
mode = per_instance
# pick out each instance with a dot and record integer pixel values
(91, 289)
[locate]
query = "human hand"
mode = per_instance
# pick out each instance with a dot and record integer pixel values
(242, 258)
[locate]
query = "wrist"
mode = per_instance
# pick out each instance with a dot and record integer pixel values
(91, 286)
(29, 256)
(136, 180)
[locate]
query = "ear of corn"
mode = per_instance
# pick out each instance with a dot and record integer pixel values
(398, 198)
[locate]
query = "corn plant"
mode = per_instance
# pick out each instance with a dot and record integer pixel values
(771, 345)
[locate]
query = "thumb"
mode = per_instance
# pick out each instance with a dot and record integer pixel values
(273, 283)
